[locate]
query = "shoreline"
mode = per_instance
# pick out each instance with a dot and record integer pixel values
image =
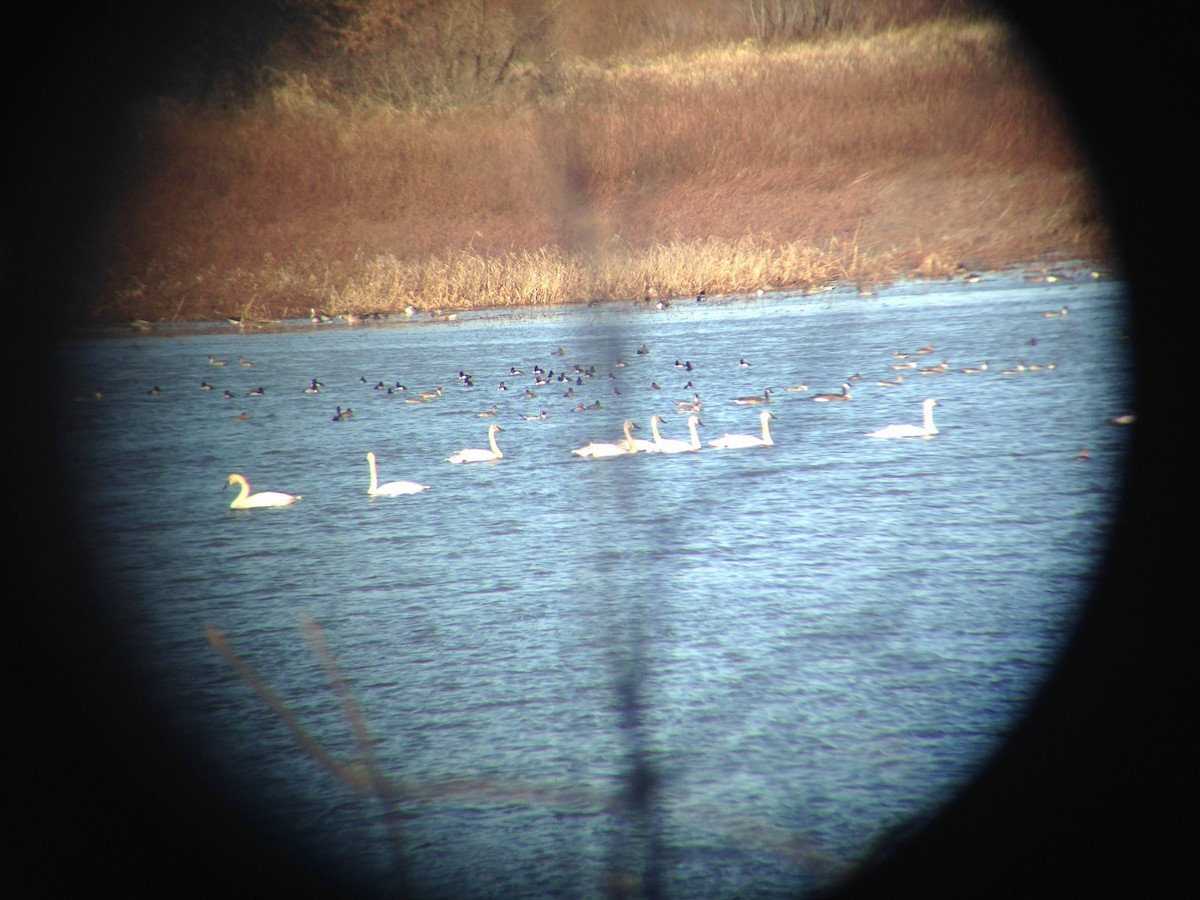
(1028, 272)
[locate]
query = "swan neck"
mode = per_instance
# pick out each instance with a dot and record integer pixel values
(374, 474)
(243, 489)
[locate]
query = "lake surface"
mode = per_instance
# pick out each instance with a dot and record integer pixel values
(730, 672)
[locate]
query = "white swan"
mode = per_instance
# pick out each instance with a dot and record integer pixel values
(671, 445)
(925, 429)
(467, 456)
(247, 500)
(620, 448)
(392, 488)
(735, 441)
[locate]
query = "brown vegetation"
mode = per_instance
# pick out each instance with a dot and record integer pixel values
(526, 170)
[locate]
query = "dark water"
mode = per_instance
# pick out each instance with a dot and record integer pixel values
(807, 645)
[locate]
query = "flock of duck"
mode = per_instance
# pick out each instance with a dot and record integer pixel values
(623, 447)
(627, 444)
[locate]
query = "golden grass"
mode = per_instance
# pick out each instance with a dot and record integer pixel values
(728, 168)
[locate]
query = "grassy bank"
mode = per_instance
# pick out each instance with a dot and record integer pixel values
(725, 167)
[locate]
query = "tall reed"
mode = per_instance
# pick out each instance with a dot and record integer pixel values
(730, 168)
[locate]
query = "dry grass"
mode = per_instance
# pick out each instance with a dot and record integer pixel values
(727, 168)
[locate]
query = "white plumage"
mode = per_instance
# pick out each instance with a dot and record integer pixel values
(925, 429)
(480, 455)
(622, 448)
(672, 445)
(392, 488)
(247, 500)
(736, 441)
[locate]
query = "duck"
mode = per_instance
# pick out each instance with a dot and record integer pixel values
(755, 400)
(487, 413)
(392, 488)
(313, 388)
(829, 398)
(736, 441)
(205, 386)
(1056, 313)
(478, 455)
(671, 445)
(247, 500)
(976, 370)
(534, 418)
(257, 392)
(1124, 419)
(925, 429)
(742, 362)
(622, 448)
(643, 350)
(213, 361)
(154, 391)
(802, 386)
(342, 415)
(896, 382)
(245, 363)
(1084, 455)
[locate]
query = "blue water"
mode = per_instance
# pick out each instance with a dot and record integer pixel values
(807, 645)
